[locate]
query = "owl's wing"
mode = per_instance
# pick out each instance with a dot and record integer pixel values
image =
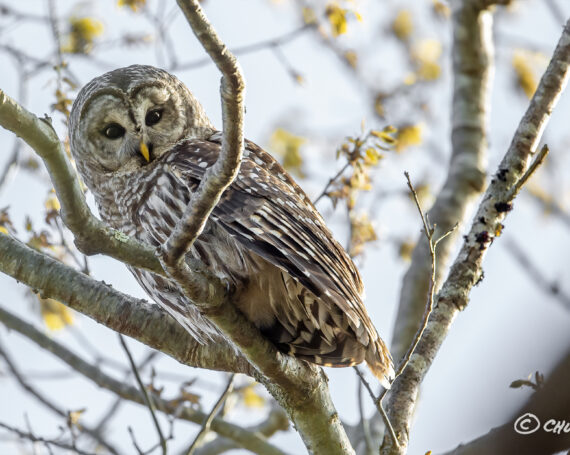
(266, 211)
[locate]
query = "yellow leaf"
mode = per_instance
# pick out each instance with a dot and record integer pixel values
(52, 203)
(402, 25)
(405, 250)
(427, 50)
(379, 104)
(352, 58)
(527, 65)
(63, 103)
(372, 156)
(384, 136)
(74, 416)
(3, 230)
(441, 9)
(429, 71)
(361, 232)
(87, 27)
(288, 146)
(426, 54)
(55, 314)
(309, 16)
(410, 79)
(337, 19)
(408, 136)
(82, 34)
(134, 5)
(250, 398)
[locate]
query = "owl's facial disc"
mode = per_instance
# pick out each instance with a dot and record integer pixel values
(131, 130)
(161, 114)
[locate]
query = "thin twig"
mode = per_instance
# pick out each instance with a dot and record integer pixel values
(330, 182)
(378, 403)
(106, 418)
(30, 436)
(536, 274)
(432, 244)
(364, 423)
(147, 399)
(248, 48)
(206, 427)
(47, 403)
(529, 172)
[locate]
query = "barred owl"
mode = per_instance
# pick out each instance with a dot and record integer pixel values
(142, 144)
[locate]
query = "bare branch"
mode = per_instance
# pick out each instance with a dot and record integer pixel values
(246, 438)
(148, 401)
(138, 319)
(31, 437)
(276, 421)
(208, 422)
(536, 274)
(472, 68)
(218, 177)
(249, 48)
(467, 268)
(48, 403)
(92, 236)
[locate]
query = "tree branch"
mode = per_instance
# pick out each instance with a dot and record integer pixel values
(246, 438)
(299, 387)
(91, 235)
(138, 319)
(218, 177)
(98, 438)
(276, 421)
(472, 68)
(467, 268)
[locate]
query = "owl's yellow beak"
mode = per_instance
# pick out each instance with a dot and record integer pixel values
(144, 151)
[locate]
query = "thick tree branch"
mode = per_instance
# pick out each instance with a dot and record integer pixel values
(218, 177)
(299, 387)
(247, 438)
(467, 268)
(91, 235)
(138, 319)
(276, 421)
(472, 68)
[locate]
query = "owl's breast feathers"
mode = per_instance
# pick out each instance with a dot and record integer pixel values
(298, 285)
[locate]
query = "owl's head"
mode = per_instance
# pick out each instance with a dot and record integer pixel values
(127, 118)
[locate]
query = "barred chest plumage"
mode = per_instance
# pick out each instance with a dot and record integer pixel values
(147, 206)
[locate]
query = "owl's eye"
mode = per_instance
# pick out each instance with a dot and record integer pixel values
(114, 131)
(153, 117)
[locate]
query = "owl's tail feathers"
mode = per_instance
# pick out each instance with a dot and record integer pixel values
(379, 361)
